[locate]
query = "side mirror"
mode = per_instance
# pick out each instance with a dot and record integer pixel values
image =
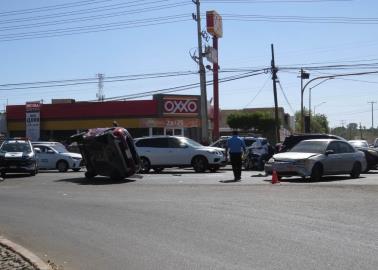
(37, 150)
(329, 152)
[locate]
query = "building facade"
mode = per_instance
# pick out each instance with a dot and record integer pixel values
(163, 115)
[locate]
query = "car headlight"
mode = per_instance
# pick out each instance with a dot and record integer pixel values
(271, 160)
(300, 162)
(76, 158)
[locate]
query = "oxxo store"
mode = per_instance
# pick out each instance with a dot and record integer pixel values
(163, 115)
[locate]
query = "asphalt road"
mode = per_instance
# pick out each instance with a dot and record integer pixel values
(183, 220)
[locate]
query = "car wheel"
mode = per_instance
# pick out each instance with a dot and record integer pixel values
(247, 164)
(356, 170)
(317, 172)
(145, 165)
(62, 166)
(35, 171)
(214, 168)
(3, 174)
(76, 169)
(158, 169)
(199, 164)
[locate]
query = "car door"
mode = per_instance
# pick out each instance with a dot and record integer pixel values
(179, 152)
(331, 162)
(43, 157)
(347, 157)
(156, 150)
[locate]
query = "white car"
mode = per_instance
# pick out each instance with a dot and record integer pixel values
(54, 155)
(318, 157)
(159, 152)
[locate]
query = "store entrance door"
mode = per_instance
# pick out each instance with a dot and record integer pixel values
(174, 131)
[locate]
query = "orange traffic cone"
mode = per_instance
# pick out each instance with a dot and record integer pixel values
(275, 178)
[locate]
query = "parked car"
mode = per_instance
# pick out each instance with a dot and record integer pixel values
(292, 140)
(371, 154)
(53, 155)
(159, 152)
(18, 156)
(221, 143)
(318, 157)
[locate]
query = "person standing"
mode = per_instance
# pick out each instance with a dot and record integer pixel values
(236, 146)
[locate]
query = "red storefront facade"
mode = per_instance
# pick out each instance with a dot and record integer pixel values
(163, 115)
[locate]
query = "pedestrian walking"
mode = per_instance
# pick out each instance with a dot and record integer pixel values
(236, 146)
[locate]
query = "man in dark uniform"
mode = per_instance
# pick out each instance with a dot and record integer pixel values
(236, 146)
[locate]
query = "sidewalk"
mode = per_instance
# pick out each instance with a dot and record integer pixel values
(15, 257)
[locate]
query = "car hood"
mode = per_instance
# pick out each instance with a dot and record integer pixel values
(293, 155)
(211, 148)
(69, 154)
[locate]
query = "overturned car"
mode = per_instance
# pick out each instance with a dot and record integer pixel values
(108, 152)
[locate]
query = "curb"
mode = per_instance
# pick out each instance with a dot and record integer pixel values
(26, 254)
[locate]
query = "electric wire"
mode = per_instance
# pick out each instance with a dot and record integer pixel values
(258, 92)
(285, 97)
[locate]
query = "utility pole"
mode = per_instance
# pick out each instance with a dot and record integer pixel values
(372, 113)
(202, 72)
(100, 93)
(274, 78)
(304, 75)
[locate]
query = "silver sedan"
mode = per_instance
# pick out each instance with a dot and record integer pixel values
(315, 158)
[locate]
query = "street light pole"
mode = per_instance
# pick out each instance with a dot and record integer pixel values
(329, 77)
(321, 103)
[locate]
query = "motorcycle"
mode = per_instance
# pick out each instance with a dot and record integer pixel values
(255, 160)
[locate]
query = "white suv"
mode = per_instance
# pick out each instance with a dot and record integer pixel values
(53, 155)
(159, 152)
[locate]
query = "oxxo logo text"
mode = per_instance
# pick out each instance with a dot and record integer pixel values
(180, 106)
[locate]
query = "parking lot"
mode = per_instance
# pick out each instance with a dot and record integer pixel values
(179, 219)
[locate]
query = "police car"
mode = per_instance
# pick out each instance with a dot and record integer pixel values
(55, 156)
(18, 156)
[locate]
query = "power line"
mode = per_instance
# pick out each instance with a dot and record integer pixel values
(284, 94)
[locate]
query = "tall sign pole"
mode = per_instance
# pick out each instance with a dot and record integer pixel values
(202, 72)
(214, 27)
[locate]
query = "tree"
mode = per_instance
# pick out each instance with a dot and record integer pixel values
(319, 122)
(257, 122)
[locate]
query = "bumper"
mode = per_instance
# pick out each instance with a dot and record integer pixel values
(17, 169)
(218, 160)
(76, 163)
(286, 169)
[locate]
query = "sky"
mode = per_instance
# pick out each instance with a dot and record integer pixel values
(52, 40)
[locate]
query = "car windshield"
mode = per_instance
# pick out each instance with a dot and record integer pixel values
(16, 147)
(359, 143)
(191, 142)
(310, 147)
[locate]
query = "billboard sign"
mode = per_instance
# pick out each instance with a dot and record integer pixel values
(32, 110)
(214, 23)
(183, 106)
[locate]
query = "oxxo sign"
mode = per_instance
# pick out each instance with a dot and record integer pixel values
(180, 106)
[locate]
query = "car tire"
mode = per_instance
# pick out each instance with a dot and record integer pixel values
(145, 165)
(62, 166)
(214, 168)
(76, 169)
(158, 169)
(200, 164)
(3, 174)
(317, 172)
(356, 170)
(34, 172)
